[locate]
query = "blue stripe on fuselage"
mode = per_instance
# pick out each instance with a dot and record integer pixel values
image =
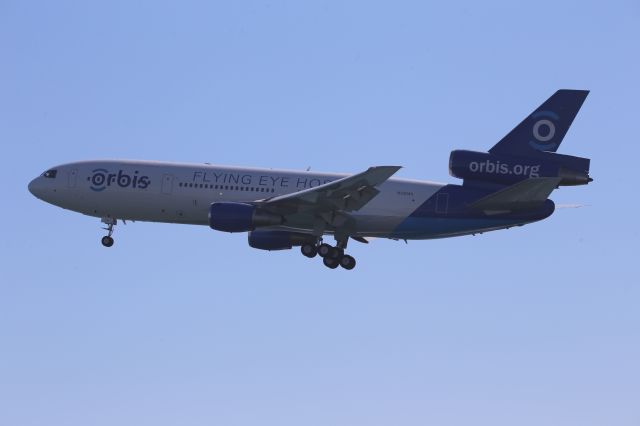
(441, 227)
(446, 214)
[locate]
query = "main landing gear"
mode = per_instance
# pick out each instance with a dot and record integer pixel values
(332, 257)
(107, 240)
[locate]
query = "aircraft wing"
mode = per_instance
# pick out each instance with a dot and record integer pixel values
(523, 195)
(347, 194)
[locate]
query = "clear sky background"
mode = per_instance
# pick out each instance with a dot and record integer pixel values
(182, 325)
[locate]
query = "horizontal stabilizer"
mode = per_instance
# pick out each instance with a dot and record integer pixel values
(528, 194)
(570, 206)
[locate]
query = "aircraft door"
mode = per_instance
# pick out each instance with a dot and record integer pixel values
(167, 184)
(442, 203)
(72, 178)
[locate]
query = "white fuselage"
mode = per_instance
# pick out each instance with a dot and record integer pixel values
(182, 193)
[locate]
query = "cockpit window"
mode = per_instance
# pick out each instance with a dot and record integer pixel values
(50, 174)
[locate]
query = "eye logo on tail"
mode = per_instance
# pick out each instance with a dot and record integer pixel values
(544, 129)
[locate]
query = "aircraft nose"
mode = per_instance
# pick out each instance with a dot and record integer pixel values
(35, 188)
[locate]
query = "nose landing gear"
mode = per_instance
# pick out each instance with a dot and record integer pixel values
(107, 240)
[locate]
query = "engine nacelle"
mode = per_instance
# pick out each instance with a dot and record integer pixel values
(278, 240)
(485, 167)
(240, 217)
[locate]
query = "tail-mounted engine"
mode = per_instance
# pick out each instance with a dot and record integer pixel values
(485, 167)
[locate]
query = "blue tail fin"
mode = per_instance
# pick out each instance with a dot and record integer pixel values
(543, 129)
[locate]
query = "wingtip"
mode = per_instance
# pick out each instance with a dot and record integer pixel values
(390, 168)
(383, 172)
(393, 169)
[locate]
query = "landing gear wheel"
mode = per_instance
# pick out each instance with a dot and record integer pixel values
(107, 241)
(324, 250)
(309, 250)
(347, 262)
(336, 253)
(330, 263)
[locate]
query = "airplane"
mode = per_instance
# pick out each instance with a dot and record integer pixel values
(280, 209)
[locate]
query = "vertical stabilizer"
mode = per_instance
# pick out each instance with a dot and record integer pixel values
(543, 129)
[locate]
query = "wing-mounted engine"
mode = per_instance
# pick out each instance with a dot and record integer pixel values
(240, 217)
(265, 239)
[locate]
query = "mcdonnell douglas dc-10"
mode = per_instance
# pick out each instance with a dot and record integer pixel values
(507, 186)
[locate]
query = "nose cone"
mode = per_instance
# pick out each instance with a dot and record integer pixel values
(35, 187)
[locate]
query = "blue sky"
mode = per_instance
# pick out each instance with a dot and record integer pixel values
(184, 325)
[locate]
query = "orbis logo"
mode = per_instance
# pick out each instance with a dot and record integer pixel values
(500, 168)
(101, 179)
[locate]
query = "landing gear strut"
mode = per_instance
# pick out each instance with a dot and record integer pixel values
(107, 240)
(332, 257)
